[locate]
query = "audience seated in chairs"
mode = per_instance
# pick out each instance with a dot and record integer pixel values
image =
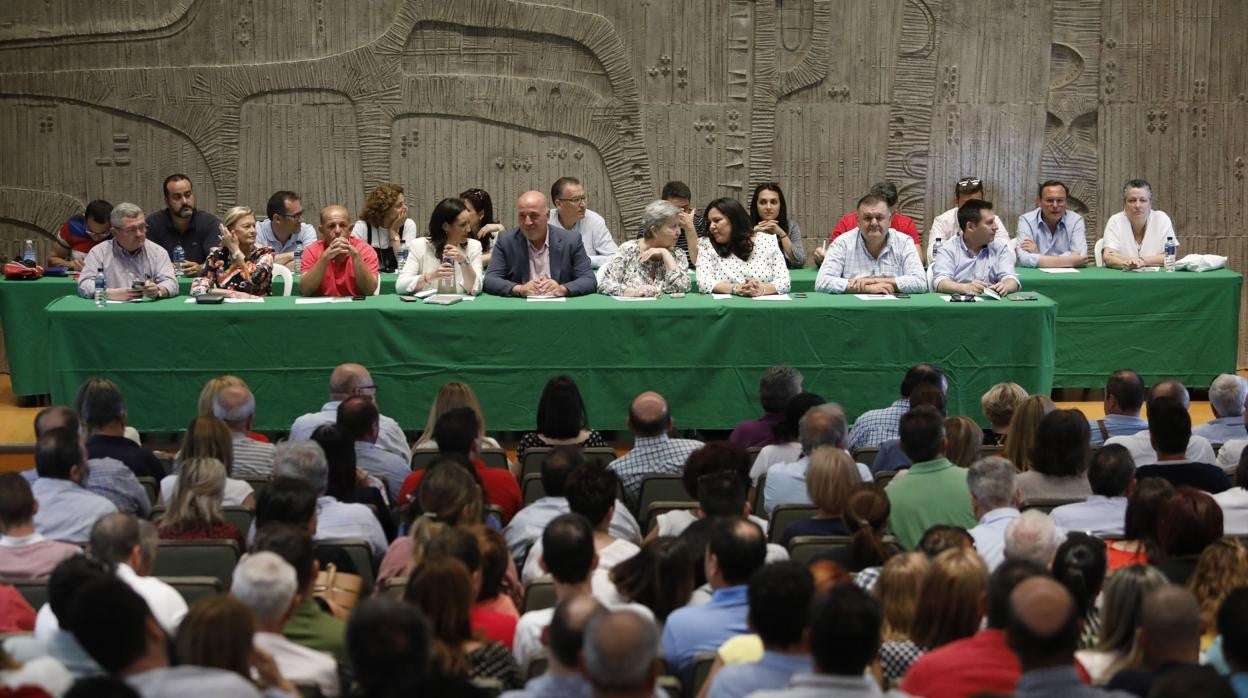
(457, 433)
(23, 552)
(304, 461)
(195, 512)
(209, 437)
(315, 623)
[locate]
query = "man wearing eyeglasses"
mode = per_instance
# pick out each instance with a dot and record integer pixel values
(285, 229)
(945, 226)
(874, 259)
(538, 259)
(134, 267)
(571, 215)
(180, 223)
(351, 380)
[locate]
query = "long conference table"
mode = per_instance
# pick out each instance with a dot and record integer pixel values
(705, 353)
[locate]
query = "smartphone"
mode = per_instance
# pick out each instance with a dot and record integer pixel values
(209, 300)
(799, 295)
(901, 295)
(409, 299)
(358, 298)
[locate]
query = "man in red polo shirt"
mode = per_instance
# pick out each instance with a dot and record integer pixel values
(338, 264)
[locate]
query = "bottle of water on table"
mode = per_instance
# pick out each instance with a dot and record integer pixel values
(179, 256)
(101, 290)
(297, 263)
(28, 252)
(1171, 248)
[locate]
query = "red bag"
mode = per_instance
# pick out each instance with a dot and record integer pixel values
(19, 271)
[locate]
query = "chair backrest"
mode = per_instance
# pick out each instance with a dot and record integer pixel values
(193, 589)
(422, 457)
(165, 460)
(995, 450)
(756, 504)
(537, 665)
(661, 488)
(539, 594)
(1047, 505)
(33, 589)
(803, 549)
(494, 458)
(533, 460)
(1098, 252)
(151, 487)
(532, 489)
(654, 510)
(197, 558)
(280, 271)
(866, 456)
(884, 477)
(361, 556)
(702, 662)
(786, 515)
(239, 516)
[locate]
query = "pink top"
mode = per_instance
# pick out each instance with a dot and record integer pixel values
(32, 556)
(539, 260)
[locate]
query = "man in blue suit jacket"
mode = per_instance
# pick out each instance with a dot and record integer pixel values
(537, 260)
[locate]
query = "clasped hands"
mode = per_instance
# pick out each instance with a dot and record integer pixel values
(339, 247)
(750, 288)
(540, 287)
(976, 287)
(871, 285)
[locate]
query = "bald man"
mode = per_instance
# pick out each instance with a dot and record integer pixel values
(348, 380)
(654, 452)
(236, 406)
(1168, 636)
(535, 259)
(1044, 632)
(338, 264)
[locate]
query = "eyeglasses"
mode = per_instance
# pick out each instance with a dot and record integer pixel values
(134, 229)
(970, 183)
(297, 215)
(574, 200)
(366, 389)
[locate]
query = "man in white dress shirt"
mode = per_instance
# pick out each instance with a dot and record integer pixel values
(993, 483)
(1112, 477)
(877, 259)
(1227, 395)
(345, 381)
(571, 215)
(1234, 503)
(945, 227)
(1199, 450)
(267, 584)
(236, 406)
(118, 539)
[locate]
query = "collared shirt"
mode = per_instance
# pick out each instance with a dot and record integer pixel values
(67, 511)
(339, 278)
(599, 244)
(1071, 237)
(391, 437)
(694, 629)
(1222, 429)
(527, 525)
(1120, 237)
(874, 427)
(989, 535)
(122, 268)
(336, 520)
(828, 686)
(265, 237)
(532, 625)
(202, 233)
(1234, 503)
(382, 464)
(981, 663)
(314, 628)
(135, 457)
(1116, 425)
(945, 228)
(900, 222)
(1198, 448)
(651, 455)
(32, 556)
(1059, 682)
(112, 480)
(539, 258)
(166, 604)
(786, 483)
(774, 670)
(1205, 476)
(188, 681)
(848, 258)
(955, 261)
(300, 664)
(252, 459)
(932, 492)
(1100, 516)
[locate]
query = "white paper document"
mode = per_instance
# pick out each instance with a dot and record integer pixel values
(1058, 270)
(322, 299)
(875, 296)
(546, 299)
(721, 296)
(244, 300)
(774, 297)
(634, 299)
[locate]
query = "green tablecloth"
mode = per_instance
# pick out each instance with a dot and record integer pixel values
(1183, 325)
(705, 355)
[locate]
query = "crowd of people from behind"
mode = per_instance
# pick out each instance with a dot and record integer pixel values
(1047, 555)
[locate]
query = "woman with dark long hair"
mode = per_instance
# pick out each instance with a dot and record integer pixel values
(561, 419)
(735, 259)
(770, 213)
(450, 253)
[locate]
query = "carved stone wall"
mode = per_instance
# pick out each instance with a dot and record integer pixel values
(331, 97)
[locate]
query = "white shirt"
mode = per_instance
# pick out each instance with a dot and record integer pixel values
(765, 265)
(300, 664)
(1228, 455)
(774, 454)
(528, 638)
(989, 535)
(528, 523)
(422, 258)
(1234, 503)
(381, 236)
(1198, 448)
(45, 672)
(337, 520)
(945, 227)
(674, 523)
(617, 551)
(599, 244)
(166, 604)
(1120, 239)
(1100, 516)
(236, 491)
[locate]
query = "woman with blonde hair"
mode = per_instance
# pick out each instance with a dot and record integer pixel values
(448, 496)
(1023, 427)
(947, 609)
(1221, 567)
(998, 405)
(238, 268)
(384, 224)
(897, 590)
(195, 512)
(450, 396)
(209, 437)
(1121, 601)
(964, 441)
(830, 478)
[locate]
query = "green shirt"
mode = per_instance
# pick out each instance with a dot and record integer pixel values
(933, 492)
(318, 630)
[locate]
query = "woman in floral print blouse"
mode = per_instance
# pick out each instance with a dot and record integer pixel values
(238, 268)
(653, 264)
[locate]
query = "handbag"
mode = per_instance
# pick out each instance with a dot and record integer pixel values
(338, 588)
(22, 271)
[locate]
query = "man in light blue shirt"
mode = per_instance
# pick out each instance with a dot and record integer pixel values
(335, 520)
(1112, 477)
(345, 381)
(994, 497)
(735, 549)
(779, 597)
(974, 261)
(822, 425)
(359, 417)
(66, 510)
(571, 215)
(1050, 235)
(1124, 396)
(1227, 395)
(284, 230)
(877, 259)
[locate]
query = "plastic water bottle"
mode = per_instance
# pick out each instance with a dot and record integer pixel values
(1171, 248)
(298, 261)
(447, 285)
(28, 252)
(402, 256)
(936, 248)
(101, 290)
(179, 256)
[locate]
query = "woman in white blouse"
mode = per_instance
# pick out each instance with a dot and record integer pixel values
(1136, 236)
(735, 259)
(448, 253)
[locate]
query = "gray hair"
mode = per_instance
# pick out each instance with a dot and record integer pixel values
(822, 425)
(1227, 394)
(236, 412)
(1032, 536)
(149, 544)
(267, 584)
(122, 211)
(993, 482)
(1137, 184)
(777, 386)
(302, 460)
(656, 214)
(620, 649)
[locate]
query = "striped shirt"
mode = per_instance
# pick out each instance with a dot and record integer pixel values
(252, 459)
